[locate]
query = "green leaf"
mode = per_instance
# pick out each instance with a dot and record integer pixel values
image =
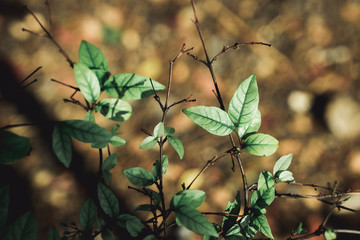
(261, 144)
(12, 147)
(262, 198)
(145, 207)
(265, 181)
(253, 127)
(130, 86)
(117, 141)
(54, 234)
(91, 56)
(115, 128)
(195, 221)
(89, 116)
(107, 176)
(150, 237)
(87, 82)
(88, 214)
(231, 208)
(244, 104)
(155, 170)
(159, 130)
(177, 145)
(110, 162)
(212, 119)
(329, 234)
(107, 235)
(282, 164)
(188, 198)
(244, 231)
(169, 131)
(4, 204)
(139, 176)
(261, 222)
(286, 176)
(300, 230)
(61, 144)
(99, 145)
(131, 223)
(114, 109)
(108, 201)
(155, 197)
(148, 143)
(102, 76)
(25, 227)
(87, 132)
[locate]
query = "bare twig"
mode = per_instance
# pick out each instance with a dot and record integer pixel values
(49, 35)
(37, 69)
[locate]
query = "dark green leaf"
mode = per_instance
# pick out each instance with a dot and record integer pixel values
(54, 234)
(87, 132)
(155, 170)
(265, 181)
(212, 119)
(148, 142)
(87, 82)
(231, 208)
(145, 207)
(177, 145)
(261, 144)
(115, 128)
(188, 198)
(139, 176)
(114, 109)
(61, 144)
(110, 162)
(88, 214)
(99, 145)
(24, 227)
(282, 164)
(117, 141)
(159, 130)
(244, 104)
(329, 234)
(262, 198)
(154, 196)
(107, 235)
(131, 223)
(4, 204)
(253, 127)
(102, 76)
(89, 116)
(130, 86)
(195, 221)
(92, 56)
(150, 237)
(108, 201)
(261, 222)
(107, 176)
(169, 131)
(12, 147)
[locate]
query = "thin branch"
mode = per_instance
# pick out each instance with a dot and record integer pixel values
(236, 46)
(188, 99)
(347, 231)
(37, 69)
(222, 214)
(100, 163)
(67, 85)
(33, 81)
(47, 3)
(49, 35)
(19, 125)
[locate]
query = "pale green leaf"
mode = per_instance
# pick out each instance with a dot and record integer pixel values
(265, 181)
(244, 104)
(117, 141)
(260, 144)
(130, 86)
(89, 116)
(286, 176)
(159, 130)
(148, 142)
(92, 57)
(253, 127)
(177, 145)
(195, 221)
(231, 208)
(261, 222)
(329, 234)
(188, 198)
(282, 164)
(212, 119)
(87, 82)
(114, 109)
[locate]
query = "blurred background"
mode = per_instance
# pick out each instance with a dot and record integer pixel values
(308, 86)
